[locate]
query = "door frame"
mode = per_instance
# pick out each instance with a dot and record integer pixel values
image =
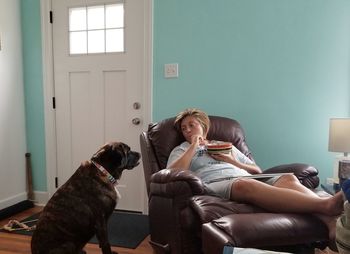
(49, 92)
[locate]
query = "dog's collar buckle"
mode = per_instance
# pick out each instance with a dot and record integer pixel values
(105, 172)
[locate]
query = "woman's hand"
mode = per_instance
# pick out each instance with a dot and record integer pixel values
(197, 140)
(225, 157)
(230, 158)
(184, 161)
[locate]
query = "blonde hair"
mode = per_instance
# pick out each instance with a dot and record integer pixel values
(200, 115)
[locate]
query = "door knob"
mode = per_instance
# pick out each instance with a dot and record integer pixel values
(136, 121)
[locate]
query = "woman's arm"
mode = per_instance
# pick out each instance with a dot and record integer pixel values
(230, 158)
(250, 168)
(183, 161)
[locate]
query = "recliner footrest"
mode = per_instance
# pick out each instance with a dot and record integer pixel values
(261, 230)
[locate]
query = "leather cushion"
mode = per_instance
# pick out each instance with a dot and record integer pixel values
(269, 229)
(210, 208)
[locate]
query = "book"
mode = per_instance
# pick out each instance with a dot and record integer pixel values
(266, 175)
(257, 176)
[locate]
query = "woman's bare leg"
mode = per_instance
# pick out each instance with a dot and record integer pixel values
(284, 199)
(291, 182)
(289, 195)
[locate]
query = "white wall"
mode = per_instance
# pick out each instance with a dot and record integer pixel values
(12, 116)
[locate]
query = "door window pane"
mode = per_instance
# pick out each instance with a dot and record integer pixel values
(77, 19)
(78, 42)
(114, 40)
(96, 41)
(115, 16)
(96, 29)
(96, 17)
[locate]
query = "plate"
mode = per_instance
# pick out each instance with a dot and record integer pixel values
(219, 147)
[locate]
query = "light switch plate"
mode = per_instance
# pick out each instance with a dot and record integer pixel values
(171, 70)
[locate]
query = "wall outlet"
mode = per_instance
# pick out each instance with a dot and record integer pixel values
(171, 70)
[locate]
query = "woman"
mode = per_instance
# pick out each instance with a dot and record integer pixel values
(220, 173)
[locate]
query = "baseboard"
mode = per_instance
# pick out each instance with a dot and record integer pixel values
(19, 202)
(16, 208)
(4, 203)
(41, 198)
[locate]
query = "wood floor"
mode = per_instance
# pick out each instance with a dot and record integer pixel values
(15, 243)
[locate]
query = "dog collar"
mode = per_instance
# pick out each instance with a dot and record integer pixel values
(105, 172)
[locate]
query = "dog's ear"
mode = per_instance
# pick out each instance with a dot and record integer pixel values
(109, 156)
(96, 156)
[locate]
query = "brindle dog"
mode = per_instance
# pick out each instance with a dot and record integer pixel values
(81, 207)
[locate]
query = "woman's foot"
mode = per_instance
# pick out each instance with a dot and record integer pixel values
(335, 204)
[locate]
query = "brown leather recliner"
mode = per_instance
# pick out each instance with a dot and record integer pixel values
(185, 219)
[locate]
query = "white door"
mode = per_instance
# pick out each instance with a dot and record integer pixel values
(99, 58)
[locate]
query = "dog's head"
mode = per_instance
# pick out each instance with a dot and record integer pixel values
(115, 157)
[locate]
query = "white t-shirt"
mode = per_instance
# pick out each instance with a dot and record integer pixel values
(206, 167)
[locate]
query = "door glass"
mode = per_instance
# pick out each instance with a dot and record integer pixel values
(96, 29)
(96, 17)
(78, 42)
(115, 40)
(96, 41)
(77, 19)
(115, 16)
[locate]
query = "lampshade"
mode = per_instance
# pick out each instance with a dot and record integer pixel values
(339, 135)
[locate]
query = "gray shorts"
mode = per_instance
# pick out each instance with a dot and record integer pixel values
(223, 188)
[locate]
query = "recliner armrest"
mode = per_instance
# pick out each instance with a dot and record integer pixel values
(307, 175)
(171, 183)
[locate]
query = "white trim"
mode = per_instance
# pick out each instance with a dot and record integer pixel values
(10, 201)
(148, 77)
(41, 198)
(49, 93)
(48, 87)
(148, 64)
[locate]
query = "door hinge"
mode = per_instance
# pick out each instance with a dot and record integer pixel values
(56, 182)
(53, 102)
(51, 18)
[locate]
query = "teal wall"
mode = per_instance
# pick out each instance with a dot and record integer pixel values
(33, 88)
(280, 67)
